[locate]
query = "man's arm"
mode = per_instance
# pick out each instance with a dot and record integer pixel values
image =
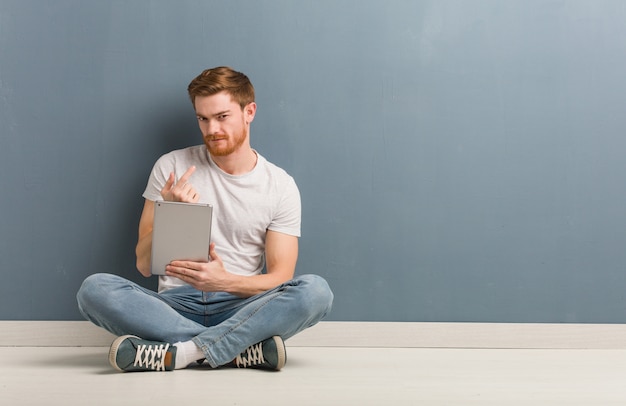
(281, 255)
(144, 242)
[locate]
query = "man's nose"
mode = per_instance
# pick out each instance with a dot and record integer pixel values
(213, 127)
(210, 127)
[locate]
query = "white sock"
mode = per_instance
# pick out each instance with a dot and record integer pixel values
(187, 353)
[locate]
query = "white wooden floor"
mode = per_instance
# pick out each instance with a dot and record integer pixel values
(325, 376)
(335, 363)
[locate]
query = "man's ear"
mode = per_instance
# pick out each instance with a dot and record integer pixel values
(249, 111)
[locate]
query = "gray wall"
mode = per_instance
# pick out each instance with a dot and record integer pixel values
(458, 160)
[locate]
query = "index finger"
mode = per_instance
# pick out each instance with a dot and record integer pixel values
(180, 263)
(187, 174)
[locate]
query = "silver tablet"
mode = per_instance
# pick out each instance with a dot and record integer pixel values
(181, 231)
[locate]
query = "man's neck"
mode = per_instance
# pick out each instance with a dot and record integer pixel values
(239, 162)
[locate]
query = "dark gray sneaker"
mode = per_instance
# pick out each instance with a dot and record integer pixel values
(132, 354)
(268, 354)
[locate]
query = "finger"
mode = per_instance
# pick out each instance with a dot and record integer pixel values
(187, 194)
(181, 266)
(183, 179)
(168, 185)
(180, 272)
(187, 189)
(192, 195)
(212, 253)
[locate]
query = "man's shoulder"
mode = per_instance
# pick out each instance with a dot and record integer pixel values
(270, 166)
(193, 151)
(273, 169)
(188, 154)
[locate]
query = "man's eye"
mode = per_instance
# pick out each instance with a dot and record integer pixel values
(201, 118)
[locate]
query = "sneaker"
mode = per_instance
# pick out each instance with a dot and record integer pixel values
(132, 354)
(268, 354)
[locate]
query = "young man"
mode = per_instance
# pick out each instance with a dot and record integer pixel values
(226, 311)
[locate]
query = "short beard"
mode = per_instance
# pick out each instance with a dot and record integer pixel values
(228, 149)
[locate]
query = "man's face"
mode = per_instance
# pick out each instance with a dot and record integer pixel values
(225, 127)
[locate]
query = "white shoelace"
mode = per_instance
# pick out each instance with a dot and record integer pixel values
(252, 356)
(151, 356)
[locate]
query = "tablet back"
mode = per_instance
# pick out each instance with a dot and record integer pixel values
(181, 231)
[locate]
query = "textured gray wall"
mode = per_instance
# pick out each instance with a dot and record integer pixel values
(458, 160)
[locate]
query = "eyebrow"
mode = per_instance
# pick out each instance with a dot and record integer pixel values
(219, 113)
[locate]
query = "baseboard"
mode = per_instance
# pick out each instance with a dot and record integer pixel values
(359, 334)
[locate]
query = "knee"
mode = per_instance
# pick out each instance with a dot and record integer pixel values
(91, 284)
(93, 290)
(317, 295)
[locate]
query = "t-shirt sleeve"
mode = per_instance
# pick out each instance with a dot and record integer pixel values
(158, 177)
(288, 214)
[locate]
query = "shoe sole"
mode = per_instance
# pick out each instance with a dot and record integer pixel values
(113, 351)
(282, 353)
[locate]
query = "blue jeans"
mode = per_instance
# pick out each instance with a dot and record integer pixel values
(221, 324)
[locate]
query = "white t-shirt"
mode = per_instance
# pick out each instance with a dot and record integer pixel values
(244, 206)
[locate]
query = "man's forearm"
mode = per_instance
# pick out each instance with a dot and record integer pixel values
(143, 252)
(247, 286)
